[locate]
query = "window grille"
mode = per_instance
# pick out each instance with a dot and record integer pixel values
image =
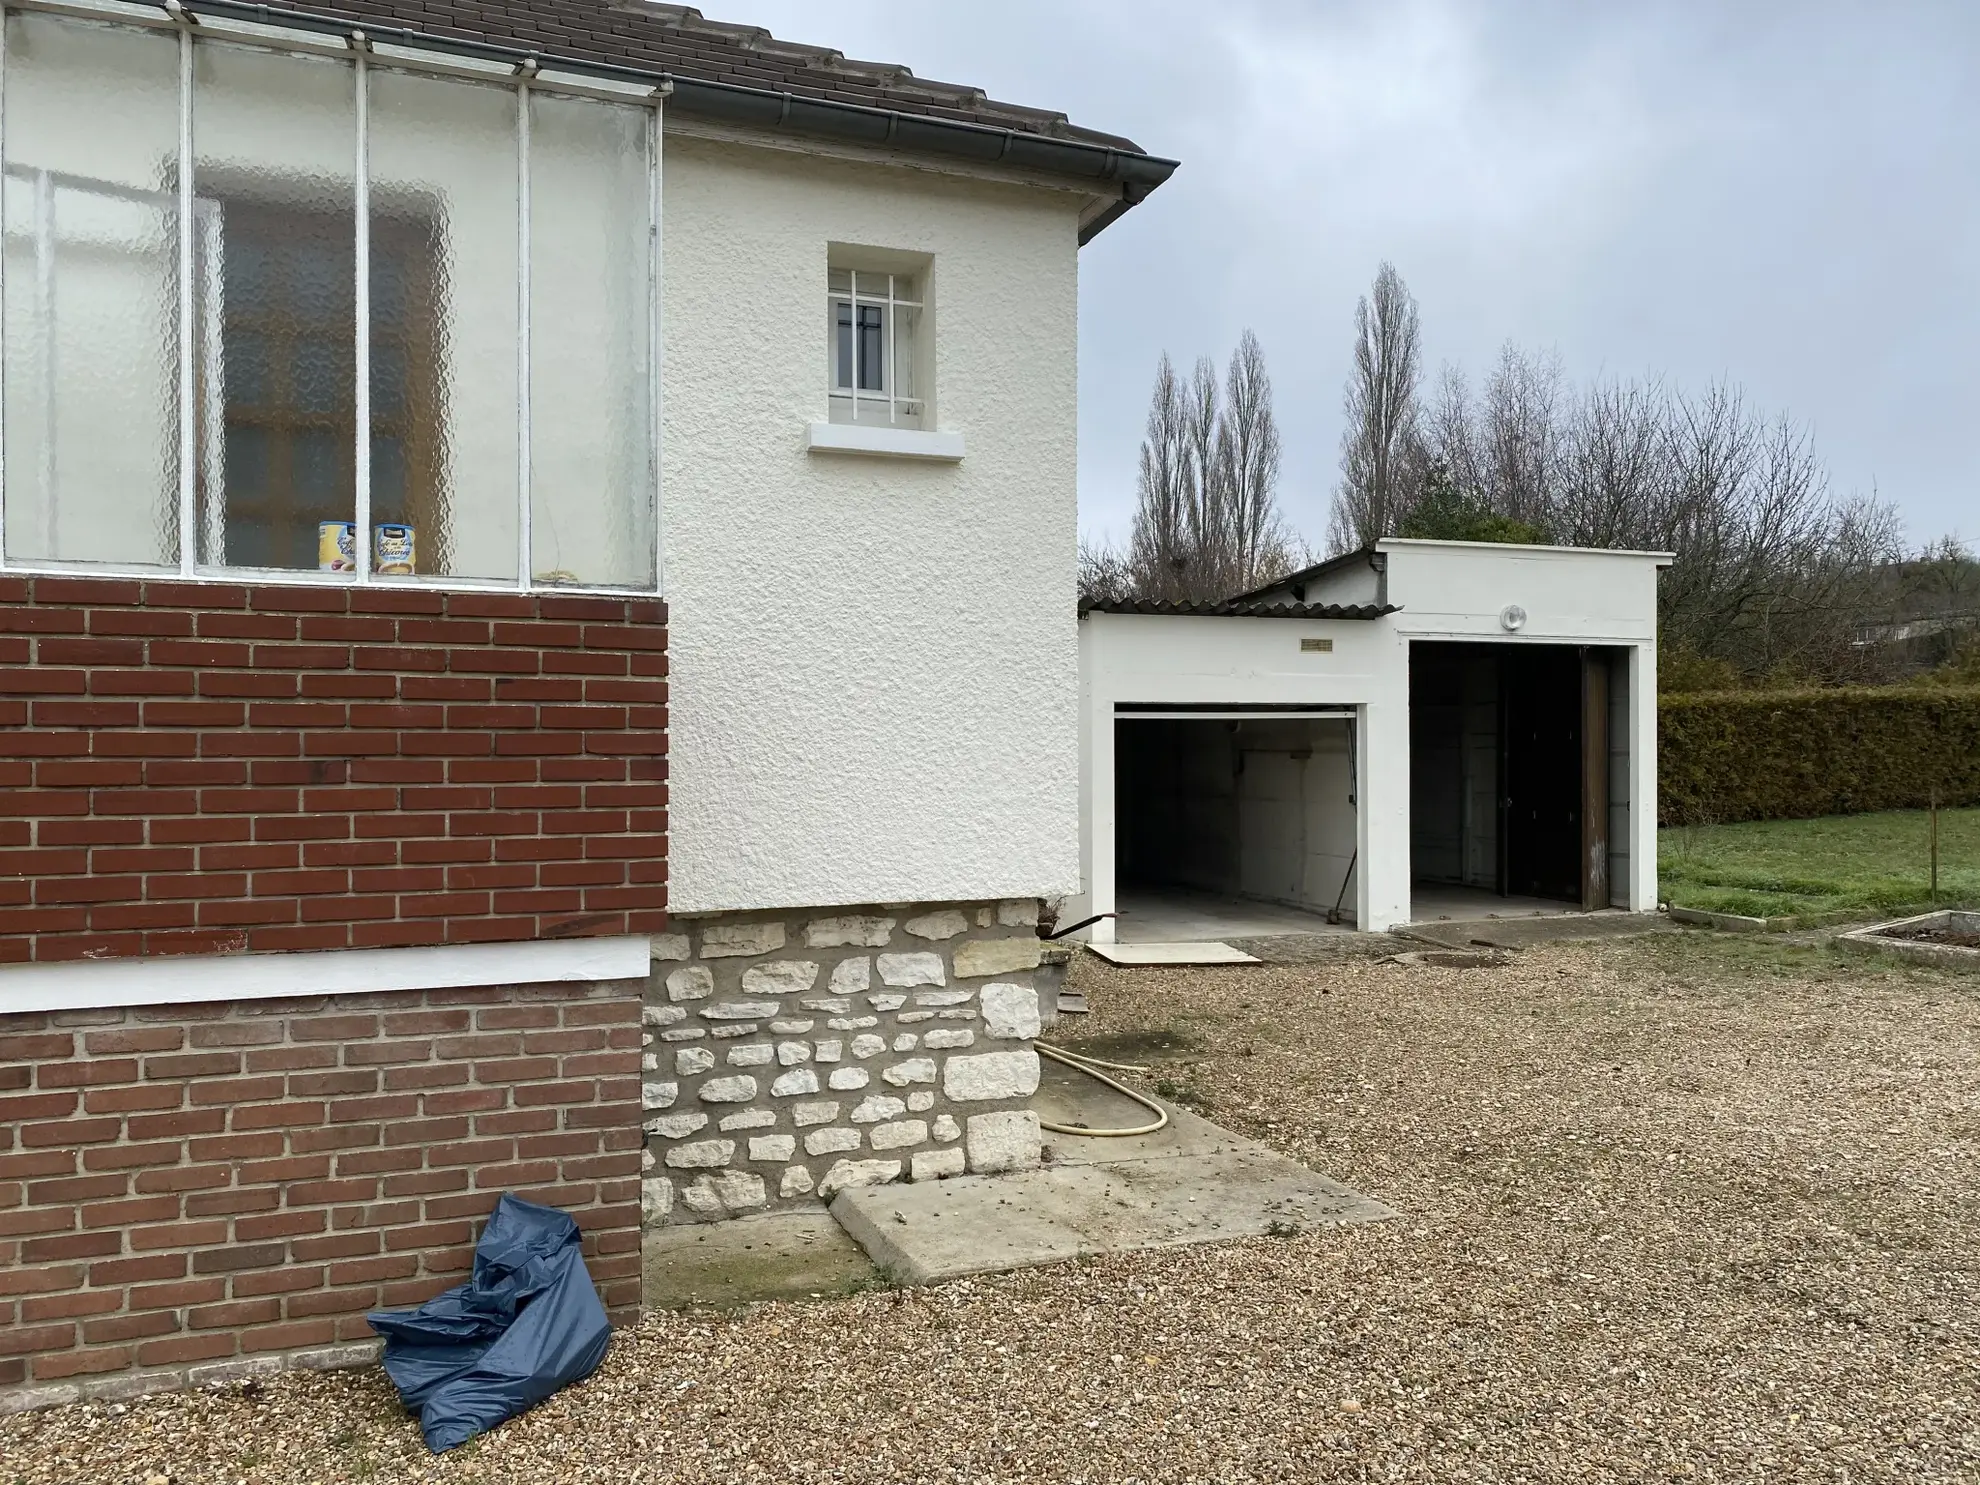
(874, 347)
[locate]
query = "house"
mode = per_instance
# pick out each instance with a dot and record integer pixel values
(537, 615)
(1420, 729)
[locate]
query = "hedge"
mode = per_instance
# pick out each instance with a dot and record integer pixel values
(1789, 755)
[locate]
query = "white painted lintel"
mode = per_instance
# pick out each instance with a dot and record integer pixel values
(93, 984)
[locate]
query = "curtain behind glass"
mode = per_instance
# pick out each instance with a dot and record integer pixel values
(274, 152)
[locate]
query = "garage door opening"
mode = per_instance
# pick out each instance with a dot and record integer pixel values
(1233, 826)
(1513, 749)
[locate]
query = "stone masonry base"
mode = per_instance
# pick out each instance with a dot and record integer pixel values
(790, 1055)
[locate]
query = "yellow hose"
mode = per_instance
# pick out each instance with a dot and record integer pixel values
(1091, 1067)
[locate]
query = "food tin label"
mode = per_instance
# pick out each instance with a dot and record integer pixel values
(336, 546)
(392, 550)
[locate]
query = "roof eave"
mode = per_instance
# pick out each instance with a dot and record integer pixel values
(1116, 167)
(1238, 609)
(1130, 175)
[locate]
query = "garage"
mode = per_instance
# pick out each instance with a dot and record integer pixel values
(1423, 730)
(1247, 806)
(1511, 761)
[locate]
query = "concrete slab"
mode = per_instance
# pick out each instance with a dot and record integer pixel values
(1067, 1096)
(1203, 953)
(800, 1254)
(1146, 915)
(1947, 951)
(978, 1224)
(1191, 1182)
(1521, 933)
(1316, 948)
(1435, 902)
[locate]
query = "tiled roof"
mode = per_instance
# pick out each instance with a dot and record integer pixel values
(679, 41)
(744, 75)
(1238, 608)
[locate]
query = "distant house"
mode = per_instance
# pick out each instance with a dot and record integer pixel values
(537, 614)
(1422, 729)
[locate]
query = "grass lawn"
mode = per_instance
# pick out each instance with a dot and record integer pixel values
(1875, 865)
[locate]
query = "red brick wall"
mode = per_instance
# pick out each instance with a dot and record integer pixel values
(187, 1184)
(200, 768)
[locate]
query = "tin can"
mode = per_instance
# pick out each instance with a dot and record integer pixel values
(392, 550)
(336, 546)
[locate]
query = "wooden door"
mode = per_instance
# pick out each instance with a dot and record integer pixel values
(1594, 779)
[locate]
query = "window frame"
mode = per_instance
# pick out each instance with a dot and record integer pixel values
(910, 413)
(525, 76)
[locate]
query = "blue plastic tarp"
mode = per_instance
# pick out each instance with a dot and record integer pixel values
(525, 1325)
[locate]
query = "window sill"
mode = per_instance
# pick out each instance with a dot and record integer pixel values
(888, 443)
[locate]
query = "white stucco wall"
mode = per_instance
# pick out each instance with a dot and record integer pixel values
(1141, 658)
(874, 662)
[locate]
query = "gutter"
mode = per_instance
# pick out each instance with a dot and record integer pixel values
(1127, 175)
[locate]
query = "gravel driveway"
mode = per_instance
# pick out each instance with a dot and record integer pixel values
(1680, 1208)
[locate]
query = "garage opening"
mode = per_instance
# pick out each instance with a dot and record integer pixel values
(1233, 825)
(1514, 754)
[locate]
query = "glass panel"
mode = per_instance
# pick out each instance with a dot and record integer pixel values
(842, 343)
(838, 280)
(591, 477)
(872, 363)
(443, 320)
(91, 311)
(274, 137)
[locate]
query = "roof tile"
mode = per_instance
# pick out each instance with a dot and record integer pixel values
(678, 39)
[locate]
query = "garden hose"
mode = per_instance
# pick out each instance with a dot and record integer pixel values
(1091, 1067)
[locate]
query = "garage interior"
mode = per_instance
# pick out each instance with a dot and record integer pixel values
(1519, 763)
(1232, 825)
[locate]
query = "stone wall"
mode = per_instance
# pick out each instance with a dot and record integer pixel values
(790, 1055)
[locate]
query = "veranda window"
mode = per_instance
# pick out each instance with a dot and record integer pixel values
(274, 309)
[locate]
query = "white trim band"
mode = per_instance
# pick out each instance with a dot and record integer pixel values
(897, 443)
(94, 984)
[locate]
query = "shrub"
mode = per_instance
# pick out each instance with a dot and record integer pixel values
(1790, 755)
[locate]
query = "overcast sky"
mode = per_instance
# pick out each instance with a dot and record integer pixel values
(1784, 195)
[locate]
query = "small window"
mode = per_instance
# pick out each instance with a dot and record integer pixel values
(874, 347)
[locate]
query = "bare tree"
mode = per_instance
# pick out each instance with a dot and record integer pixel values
(1381, 459)
(1160, 547)
(1248, 457)
(1210, 545)
(1105, 575)
(1774, 576)
(1521, 434)
(1207, 522)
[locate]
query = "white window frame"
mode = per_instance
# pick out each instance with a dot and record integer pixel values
(902, 412)
(525, 76)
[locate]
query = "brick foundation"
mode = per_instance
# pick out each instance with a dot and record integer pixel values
(194, 768)
(196, 1185)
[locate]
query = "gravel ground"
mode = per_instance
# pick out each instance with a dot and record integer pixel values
(1683, 1208)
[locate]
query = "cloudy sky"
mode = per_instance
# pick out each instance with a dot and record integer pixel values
(1786, 195)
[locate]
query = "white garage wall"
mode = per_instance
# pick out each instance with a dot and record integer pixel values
(1446, 591)
(874, 662)
(1144, 659)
